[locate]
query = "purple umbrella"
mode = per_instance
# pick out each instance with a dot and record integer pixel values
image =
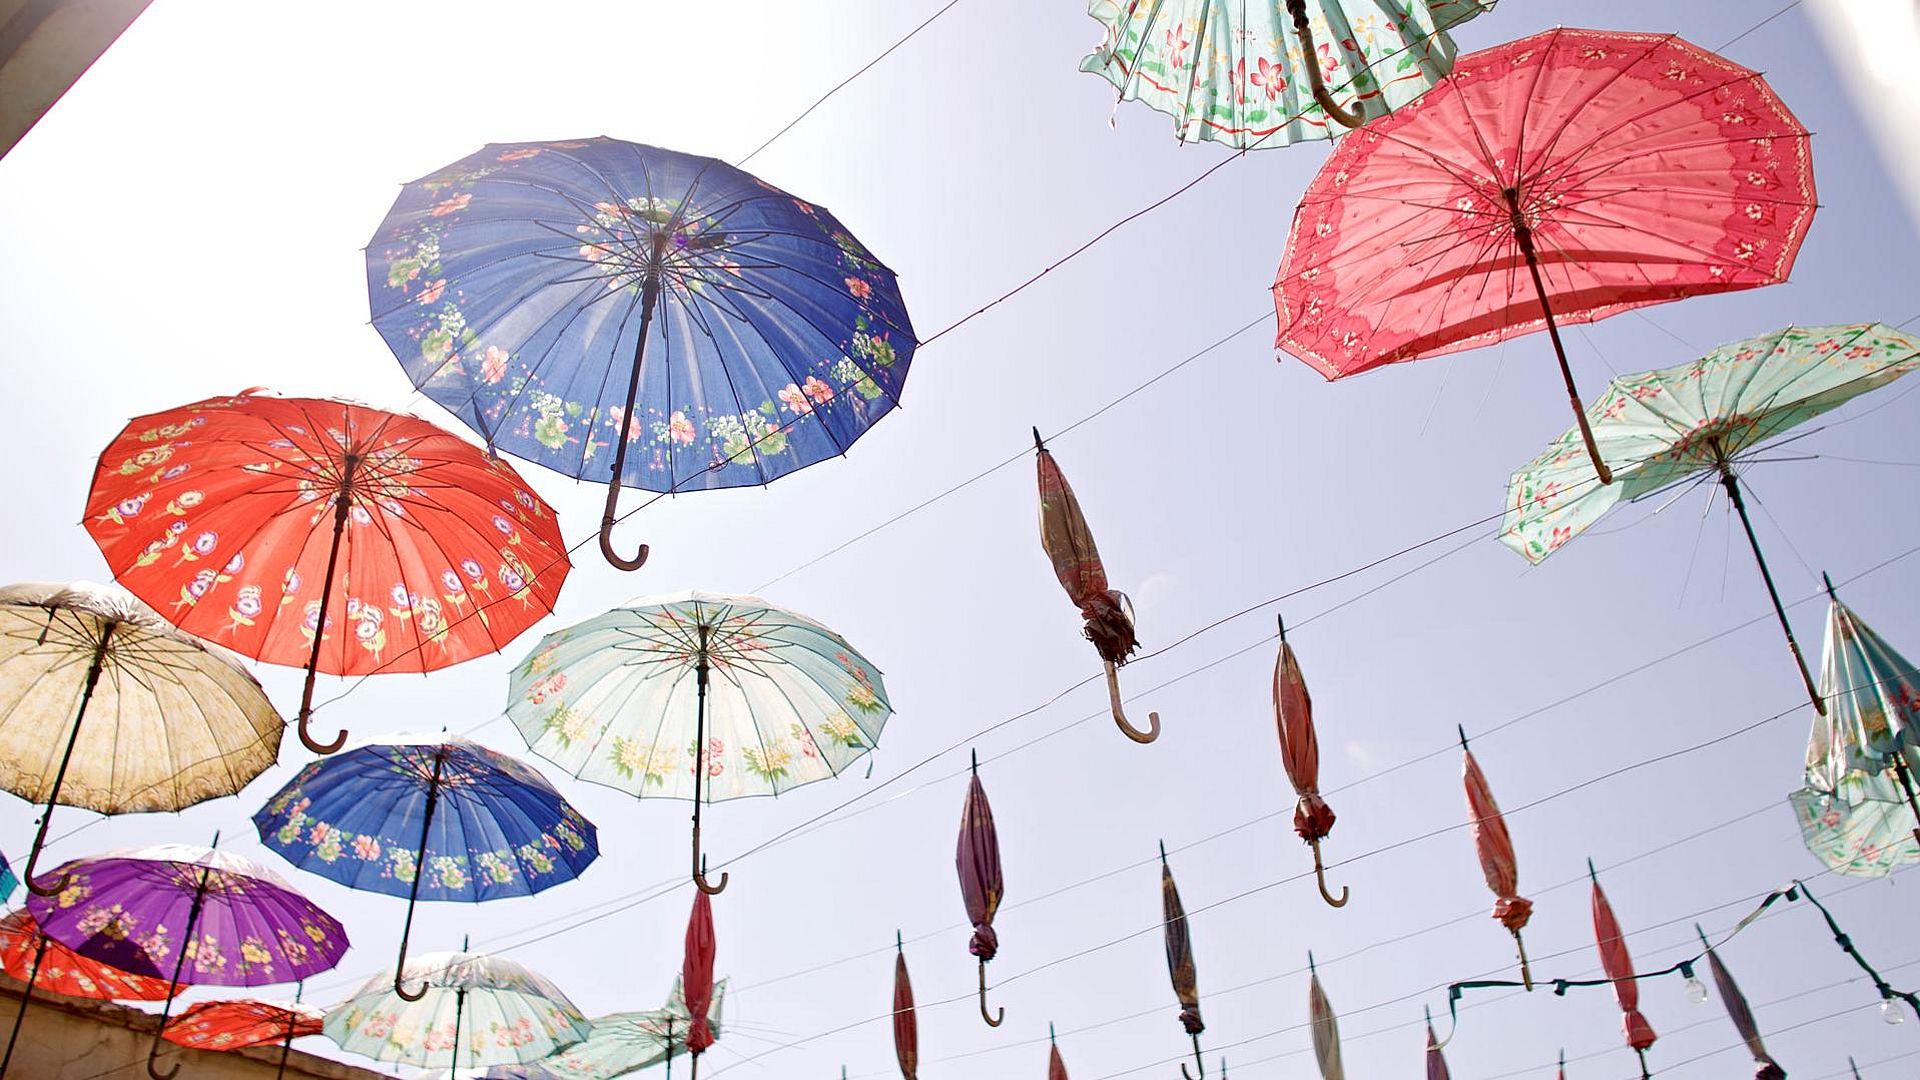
(237, 921)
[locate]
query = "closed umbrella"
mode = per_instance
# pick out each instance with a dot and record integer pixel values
(1180, 967)
(1068, 542)
(1618, 965)
(1741, 1014)
(696, 977)
(1436, 1059)
(106, 706)
(1495, 848)
(1326, 1027)
(978, 860)
(1056, 1068)
(906, 1031)
(1300, 754)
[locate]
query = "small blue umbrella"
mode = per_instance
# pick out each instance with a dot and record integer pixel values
(8, 882)
(433, 817)
(567, 299)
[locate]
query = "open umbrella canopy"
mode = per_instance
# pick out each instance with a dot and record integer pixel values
(242, 519)
(476, 1011)
(106, 706)
(623, 1043)
(1236, 73)
(237, 1023)
(632, 315)
(1857, 811)
(32, 957)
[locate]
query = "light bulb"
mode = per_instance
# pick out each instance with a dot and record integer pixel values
(1696, 991)
(1890, 1012)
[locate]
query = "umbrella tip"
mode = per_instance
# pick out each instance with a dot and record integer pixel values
(1163, 853)
(1828, 582)
(1463, 735)
(1311, 970)
(466, 942)
(1282, 620)
(1590, 873)
(1050, 1031)
(1038, 442)
(899, 942)
(975, 756)
(216, 839)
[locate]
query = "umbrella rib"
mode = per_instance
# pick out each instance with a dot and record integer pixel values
(1567, 115)
(1565, 163)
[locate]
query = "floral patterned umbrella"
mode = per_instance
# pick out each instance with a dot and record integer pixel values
(428, 817)
(906, 1029)
(478, 1011)
(623, 1043)
(1325, 1025)
(44, 964)
(1700, 418)
(765, 699)
(1618, 965)
(1765, 1068)
(568, 298)
(1862, 755)
(1300, 754)
(106, 706)
(1232, 73)
(238, 1023)
(1620, 170)
(1068, 542)
(237, 921)
(1180, 967)
(1495, 848)
(981, 887)
(243, 518)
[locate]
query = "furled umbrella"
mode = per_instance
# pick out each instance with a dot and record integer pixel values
(106, 706)
(1056, 1066)
(978, 860)
(696, 977)
(1702, 419)
(906, 1029)
(1618, 966)
(1240, 74)
(569, 298)
(324, 534)
(622, 1043)
(1741, 1014)
(698, 695)
(1494, 845)
(1326, 1027)
(238, 1023)
(478, 1011)
(1619, 169)
(1068, 542)
(1180, 968)
(1300, 754)
(1857, 811)
(1436, 1058)
(237, 921)
(44, 964)
(428, 817)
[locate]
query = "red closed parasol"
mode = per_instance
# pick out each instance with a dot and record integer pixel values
(1495, 848)
(1056, 1068)
(978, 860)
(1186, 983)
(696, 977)
(906, 1031)
(1618, 965)
(1436, 1060)
(1300, 753)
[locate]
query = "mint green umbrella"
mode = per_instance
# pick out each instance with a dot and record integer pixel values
(1858, 811)
(1231, 71)
(1658, 428)
(624, 1043)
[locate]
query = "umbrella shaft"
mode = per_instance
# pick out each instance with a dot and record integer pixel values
(1523, 235)
(1905, 776)
(459, 1006)
(340, 511)
(650, 292)
(1732, 484)
(26, 995)
(73, 739)
(419, 865)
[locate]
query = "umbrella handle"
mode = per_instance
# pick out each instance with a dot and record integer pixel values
(153, 1052)
(1320, 878)
(606, 530)
(1120, 713)
(1526, 971)
(1645, 1073)
(991, 1019)
(1298, 9)
(1198, 1062)
(341, 505)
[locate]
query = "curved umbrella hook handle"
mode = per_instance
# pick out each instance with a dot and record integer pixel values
(606, 534)
(992, 1019)
(1120, 713)
(1198, 1062)
(306, 733)
(700, 865)
(154, 1052)
(33, 859)
(1308, 59)
(1320, 878)
(399, 970)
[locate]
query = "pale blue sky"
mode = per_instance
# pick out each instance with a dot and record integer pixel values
(187, 221)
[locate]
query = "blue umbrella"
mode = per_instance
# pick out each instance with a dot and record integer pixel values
(8, 882)
(428, 818)
(557, 296)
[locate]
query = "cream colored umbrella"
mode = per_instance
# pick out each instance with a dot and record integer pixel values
(106, 706)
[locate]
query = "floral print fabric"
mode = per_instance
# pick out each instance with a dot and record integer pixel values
(220, 514)
(613, 700)
(1657, 427)
(510, 287)
(508, 1014)
(130, 909)
(499, 828)
(237, 1024)
(64, 971)
(1232, 72)
(623, 1043)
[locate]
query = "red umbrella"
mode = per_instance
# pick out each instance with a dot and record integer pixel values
(696, 978)
(227, 516)
(1620, 170)
(978, 860)
(1300, 753)
(1618, 965)
(1741, 1013)
(1497, 863)
(906, 1032)
(1056, 1068)
(1076, 562)
(45, 964)
(1186, 983)
(1325, 1025)
(1436, 1061)
(238, 1023)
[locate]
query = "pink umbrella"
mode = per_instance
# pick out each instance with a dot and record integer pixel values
(978, 860)
(1495, 848)
(696, 978)
(1618, 965)
(1436, 1061)
(1300, 753)
(1326, 1027)
(906, 1031)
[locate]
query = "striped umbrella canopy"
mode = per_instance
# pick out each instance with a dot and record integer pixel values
(978, 861)
(1618, 965)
